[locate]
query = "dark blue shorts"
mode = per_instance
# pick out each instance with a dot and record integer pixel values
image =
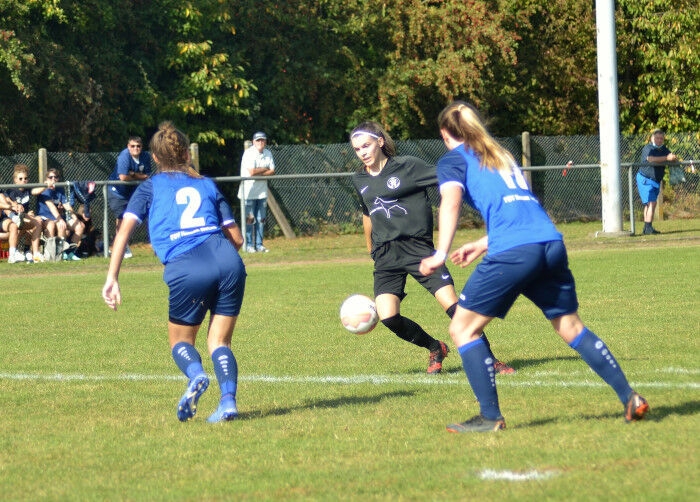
(648, 189)
(540, 272)
(116, 204)
(396, 260)
(209, 277)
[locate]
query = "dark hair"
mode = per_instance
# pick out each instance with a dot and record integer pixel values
(376, 130)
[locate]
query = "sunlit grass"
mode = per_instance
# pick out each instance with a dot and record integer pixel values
(88, 396)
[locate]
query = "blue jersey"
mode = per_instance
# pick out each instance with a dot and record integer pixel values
(183, 211)
(512, 214)
(57, 196)
(125, 164)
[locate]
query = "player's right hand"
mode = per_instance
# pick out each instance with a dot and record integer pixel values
(111, 294)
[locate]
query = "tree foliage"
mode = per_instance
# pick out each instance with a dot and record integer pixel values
(659, 60)
(85, 74)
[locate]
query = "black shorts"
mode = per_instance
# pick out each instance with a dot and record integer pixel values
(395, 260)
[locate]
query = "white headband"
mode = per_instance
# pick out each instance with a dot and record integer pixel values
(360, 133)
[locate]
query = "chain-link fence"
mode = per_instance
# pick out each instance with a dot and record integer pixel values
(314, 194)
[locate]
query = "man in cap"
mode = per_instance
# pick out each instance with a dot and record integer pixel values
(257, 161)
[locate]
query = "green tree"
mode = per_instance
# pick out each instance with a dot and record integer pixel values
(313, 63)
(200, 81)
(85, 76)
(659, 59)
(556, 73)
(441, 51)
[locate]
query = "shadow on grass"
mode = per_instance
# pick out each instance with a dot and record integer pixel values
(328, 403)
(670, 232)
(658, 413)
(521, 364)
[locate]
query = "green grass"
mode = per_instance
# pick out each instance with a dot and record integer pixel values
(88, 396)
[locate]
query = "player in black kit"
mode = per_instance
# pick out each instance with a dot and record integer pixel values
(397, 219)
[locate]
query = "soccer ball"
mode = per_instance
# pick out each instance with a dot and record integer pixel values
(358, 313)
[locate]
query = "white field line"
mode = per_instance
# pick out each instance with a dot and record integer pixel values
(493, 475)
(522, 379)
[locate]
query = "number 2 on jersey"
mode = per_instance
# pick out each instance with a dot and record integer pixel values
(190, 197)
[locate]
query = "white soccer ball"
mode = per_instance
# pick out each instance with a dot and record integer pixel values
(358, 313)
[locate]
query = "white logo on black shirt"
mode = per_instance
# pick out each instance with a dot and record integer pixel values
(387, 206)
(393, 183)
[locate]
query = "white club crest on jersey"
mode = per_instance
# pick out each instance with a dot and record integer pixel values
(393, 183)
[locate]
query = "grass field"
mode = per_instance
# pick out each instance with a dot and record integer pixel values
(89, 396)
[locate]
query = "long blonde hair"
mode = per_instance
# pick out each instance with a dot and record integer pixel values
(171, 148)
(463, 122)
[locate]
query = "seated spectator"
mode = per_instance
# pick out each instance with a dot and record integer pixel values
(10, 228)
(29, 225)
(58, 217)
(83, 193)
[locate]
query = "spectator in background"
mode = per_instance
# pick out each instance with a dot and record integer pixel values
(257, 161)
(58, 216)
(84, 193)
(9, 227)
(29, 225)
(133, 164)
(655, 157)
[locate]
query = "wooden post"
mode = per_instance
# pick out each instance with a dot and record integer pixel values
(43, 164)
(194, 155)
(279, 216)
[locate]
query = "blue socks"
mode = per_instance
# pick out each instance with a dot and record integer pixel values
(597, 355)
(187, 359)
(477, 362)
(478, 366)
(226, 370)
(225, 366)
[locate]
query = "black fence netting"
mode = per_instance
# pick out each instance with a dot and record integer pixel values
(314, 194)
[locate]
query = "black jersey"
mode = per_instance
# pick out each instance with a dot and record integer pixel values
(397, 200)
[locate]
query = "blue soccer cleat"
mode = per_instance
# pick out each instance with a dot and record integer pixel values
(187, 407)
(225, 412)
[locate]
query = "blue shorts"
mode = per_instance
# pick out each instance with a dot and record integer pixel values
(209, 277)
(540, 272)
(117, 204)
(648, 189)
